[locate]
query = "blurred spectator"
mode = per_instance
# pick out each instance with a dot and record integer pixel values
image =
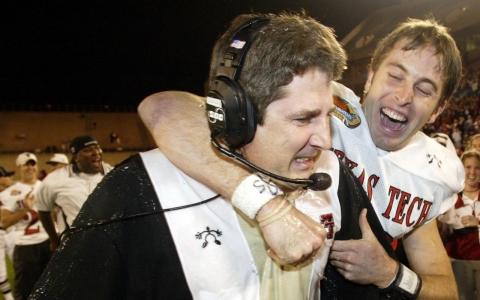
(32, 253)
(6, 242)
(463, 113)
(474, 143)
(444, 140)
(69, 187)
(463, 245)
(5, 178)
(57, 161)
(457, 137)
(114, 138)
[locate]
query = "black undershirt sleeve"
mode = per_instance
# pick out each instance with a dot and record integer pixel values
(352, 200)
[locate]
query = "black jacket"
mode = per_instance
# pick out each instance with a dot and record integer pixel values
(122, 247)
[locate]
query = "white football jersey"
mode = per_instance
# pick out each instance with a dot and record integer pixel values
(407, 187)
(28, 230)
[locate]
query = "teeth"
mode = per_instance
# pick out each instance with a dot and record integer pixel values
(302, 159)
(393, 115)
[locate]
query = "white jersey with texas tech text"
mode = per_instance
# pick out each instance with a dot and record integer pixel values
(407, 187)
(29, 229)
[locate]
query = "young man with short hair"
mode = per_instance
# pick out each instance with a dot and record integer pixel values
(31, 253)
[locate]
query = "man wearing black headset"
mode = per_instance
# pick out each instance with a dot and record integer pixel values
(151, 232)
(408, 176)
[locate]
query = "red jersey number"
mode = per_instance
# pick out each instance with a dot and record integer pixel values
(30, 228)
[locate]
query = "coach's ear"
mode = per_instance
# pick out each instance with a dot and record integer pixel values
(437, 112)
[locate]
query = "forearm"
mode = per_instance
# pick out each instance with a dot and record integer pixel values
(11, 218)
(428, 259)
(47, 222)
(179, 126)
(438, 287)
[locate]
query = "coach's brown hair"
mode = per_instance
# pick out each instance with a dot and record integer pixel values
(290, 44)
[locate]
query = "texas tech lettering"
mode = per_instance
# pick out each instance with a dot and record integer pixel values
(405, 207)
(372, 179)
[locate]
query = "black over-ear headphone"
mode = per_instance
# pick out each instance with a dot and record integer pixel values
(230, 113)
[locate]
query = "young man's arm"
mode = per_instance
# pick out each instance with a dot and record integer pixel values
(364, 261)
(10, 218)
(178, 123)
(428, 258)
(45, 204)
(49, 225)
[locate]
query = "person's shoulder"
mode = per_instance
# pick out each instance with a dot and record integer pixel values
(151, 105)
(126, 168)
(15, 188)
(57, 174)
(170, 96)
(426, 159)
(12, 191)
(4, 195)
(341, 91)
(124, 191)
(7, 190)
(430, 143)
(106, 167)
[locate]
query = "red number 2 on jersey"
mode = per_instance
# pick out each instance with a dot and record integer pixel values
(30, 229)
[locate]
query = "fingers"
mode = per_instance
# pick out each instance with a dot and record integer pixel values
(364, 226)
(469, 221)
(304, 258)
(294, 238)
(273, 255)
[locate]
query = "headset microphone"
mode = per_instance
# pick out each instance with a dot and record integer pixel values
(316, 181)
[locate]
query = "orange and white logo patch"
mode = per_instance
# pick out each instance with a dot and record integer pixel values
(345, 113)
(15, 192)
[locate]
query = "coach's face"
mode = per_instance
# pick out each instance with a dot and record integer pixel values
(296, 128)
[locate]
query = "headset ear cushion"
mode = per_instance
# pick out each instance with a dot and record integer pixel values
(238, 127)
(250, 120)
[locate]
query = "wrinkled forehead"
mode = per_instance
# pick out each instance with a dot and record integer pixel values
(409, 47)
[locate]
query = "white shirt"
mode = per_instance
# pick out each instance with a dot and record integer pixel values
(242, 248)
(28, 230)
(68, 190)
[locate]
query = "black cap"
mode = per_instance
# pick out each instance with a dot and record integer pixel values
(5, 173)
(81, 142)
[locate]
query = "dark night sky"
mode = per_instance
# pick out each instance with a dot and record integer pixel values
(118, 52)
